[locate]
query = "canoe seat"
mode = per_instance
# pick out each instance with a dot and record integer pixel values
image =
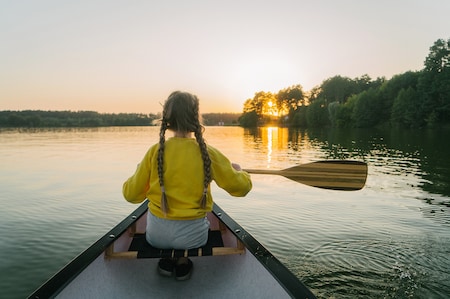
(140, 248)
(145, 250)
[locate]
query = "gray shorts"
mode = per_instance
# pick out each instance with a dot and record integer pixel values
(176, 234)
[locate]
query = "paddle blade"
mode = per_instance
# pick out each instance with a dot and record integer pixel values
(344, 175)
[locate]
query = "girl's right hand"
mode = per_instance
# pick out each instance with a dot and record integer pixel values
(236, 166)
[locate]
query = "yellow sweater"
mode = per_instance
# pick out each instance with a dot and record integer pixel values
(183, 179)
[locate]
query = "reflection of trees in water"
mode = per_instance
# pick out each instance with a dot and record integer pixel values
(424, 149)
(422, 153)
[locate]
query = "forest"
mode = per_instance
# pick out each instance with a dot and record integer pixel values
(414, 99)
(39, 118)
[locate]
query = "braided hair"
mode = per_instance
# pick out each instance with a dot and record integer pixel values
(181, 113)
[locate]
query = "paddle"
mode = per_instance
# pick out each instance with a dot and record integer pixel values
(344, 175)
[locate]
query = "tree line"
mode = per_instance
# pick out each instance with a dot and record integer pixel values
(39, 118)
(409, 100)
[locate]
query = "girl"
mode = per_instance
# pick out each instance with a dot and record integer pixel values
(175, 176)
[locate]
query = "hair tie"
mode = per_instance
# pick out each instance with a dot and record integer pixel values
(203, 201)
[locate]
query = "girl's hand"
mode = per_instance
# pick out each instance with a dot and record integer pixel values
(236, 166)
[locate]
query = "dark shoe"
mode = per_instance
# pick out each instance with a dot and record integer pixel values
(166, 266)
(183, 269)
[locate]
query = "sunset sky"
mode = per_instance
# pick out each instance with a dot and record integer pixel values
(127, 56)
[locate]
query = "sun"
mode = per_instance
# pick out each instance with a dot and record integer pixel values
(262, 70)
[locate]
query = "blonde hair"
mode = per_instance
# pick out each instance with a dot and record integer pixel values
(181, 113)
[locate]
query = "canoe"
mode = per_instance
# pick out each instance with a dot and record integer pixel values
(122, 265)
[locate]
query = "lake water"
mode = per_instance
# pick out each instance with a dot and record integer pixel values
(61, 191)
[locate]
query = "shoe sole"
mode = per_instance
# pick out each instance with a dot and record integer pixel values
(165, 272)
(185, 277)
(166, 267)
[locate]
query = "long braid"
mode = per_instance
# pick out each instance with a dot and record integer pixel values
(206, 160)
(162, 138)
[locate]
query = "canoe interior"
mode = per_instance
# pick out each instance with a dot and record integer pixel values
(132, 244)
(248, 272)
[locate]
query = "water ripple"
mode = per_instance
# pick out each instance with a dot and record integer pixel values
(361, 263)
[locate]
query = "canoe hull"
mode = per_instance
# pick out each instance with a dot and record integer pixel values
(252, 273)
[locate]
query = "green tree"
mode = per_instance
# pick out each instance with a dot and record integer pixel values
(317, 114)
(299, 117)
(344, 113)
(337, 89)
(434, 84)
(406, 110)
(367, 108)
(258, 103)
(263, 104)
(16, 120)
(439, 57)
(249, 106)
(390, 89)
(333, 109)
(289, 99)
(249, 119)
(364, 83)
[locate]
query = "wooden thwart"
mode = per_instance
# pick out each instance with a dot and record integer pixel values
(150, 252)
